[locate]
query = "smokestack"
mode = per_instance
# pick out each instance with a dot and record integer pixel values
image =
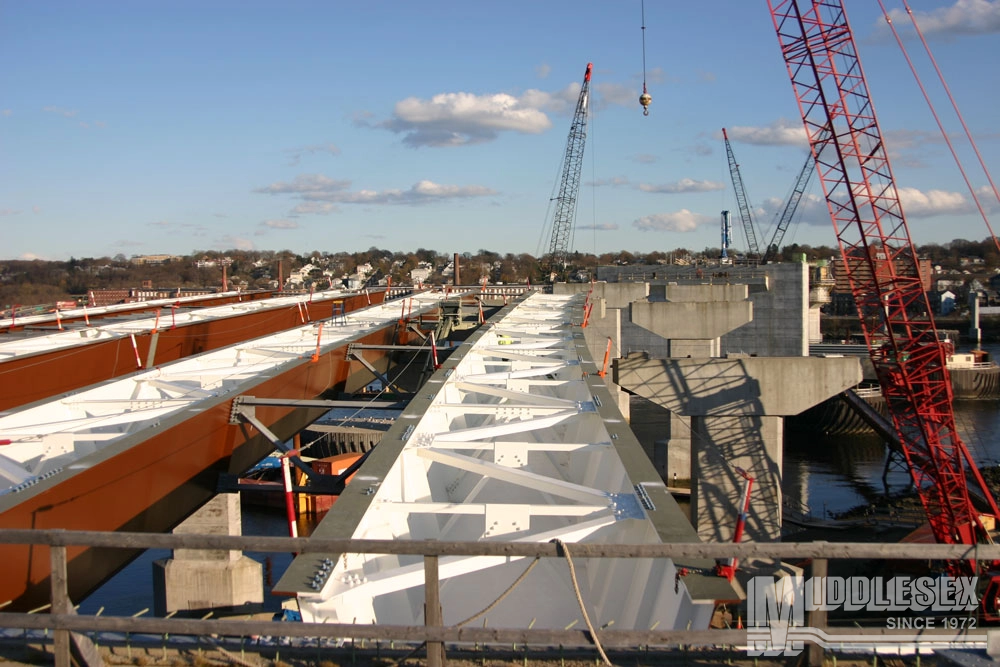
(458, 278)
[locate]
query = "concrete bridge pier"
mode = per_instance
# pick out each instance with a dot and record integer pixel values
(199, 579)
(736, 404)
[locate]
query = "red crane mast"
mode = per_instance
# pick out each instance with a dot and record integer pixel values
(880, 260)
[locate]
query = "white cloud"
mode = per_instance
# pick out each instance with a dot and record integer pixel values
(601, 227)
(234, 242)
(617, 93)
(421, 192)
(657, 76)
(965, 17)
(679, 221)
(644, 158)
(456, 119)
(701, 148)
(296, 154)
(9, 211)
(188, 228)
(613, 181)
(306, 183)
(280, 224)
(683, 185)
(65, 113)
(811, 210)
(920, 204)
(781, 132)
(542, 71)
(7, 112)
(29, 256)
(313, 208)
(320, 194)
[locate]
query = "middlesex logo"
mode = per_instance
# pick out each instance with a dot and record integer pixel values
(776, 610)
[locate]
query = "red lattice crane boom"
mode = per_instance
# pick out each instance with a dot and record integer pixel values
(880, 260)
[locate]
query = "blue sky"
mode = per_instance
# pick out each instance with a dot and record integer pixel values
(169, 127)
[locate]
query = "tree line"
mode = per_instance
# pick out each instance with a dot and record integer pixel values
(26, 282)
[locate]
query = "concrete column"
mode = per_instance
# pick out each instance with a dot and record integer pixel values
(196, 579)
(722, 444)
(736, 408)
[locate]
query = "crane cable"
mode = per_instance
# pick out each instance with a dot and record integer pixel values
(937, 119)
(645, 99)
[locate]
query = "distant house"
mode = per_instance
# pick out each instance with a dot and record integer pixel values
(139, 260)
(420, 274)
(947, 302)
(297, 278)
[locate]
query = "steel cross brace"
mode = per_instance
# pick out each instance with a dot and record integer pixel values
(243, 411)
(353, 353)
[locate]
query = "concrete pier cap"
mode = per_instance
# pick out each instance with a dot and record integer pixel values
(691, 319)
(771, 386)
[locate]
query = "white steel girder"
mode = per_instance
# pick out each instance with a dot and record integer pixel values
(514, 444)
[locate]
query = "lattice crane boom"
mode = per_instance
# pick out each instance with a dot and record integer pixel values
(569, 184)
(741, 199)
(880, 260)
(801, 183)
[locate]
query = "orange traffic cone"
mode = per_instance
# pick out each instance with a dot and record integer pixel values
(739, 622)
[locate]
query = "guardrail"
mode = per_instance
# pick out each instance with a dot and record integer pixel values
(62, 620)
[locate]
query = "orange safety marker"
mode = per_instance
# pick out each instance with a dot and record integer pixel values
(156, 324)
(319, 336)
(302, 318)
(586, 315)
(58, 319)
(482, 317)
(311, 287)
(86, 317)
(409, 310)
(607, 355)
(368, 296)
(135, 348)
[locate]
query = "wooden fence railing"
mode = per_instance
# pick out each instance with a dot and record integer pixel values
(63, 621)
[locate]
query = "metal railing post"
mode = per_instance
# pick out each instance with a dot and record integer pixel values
(61, 603)
(432, 610)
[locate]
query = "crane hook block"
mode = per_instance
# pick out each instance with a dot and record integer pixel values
(645, 100)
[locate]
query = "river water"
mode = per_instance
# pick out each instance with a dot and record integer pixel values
(828, 475)
(825, 475)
